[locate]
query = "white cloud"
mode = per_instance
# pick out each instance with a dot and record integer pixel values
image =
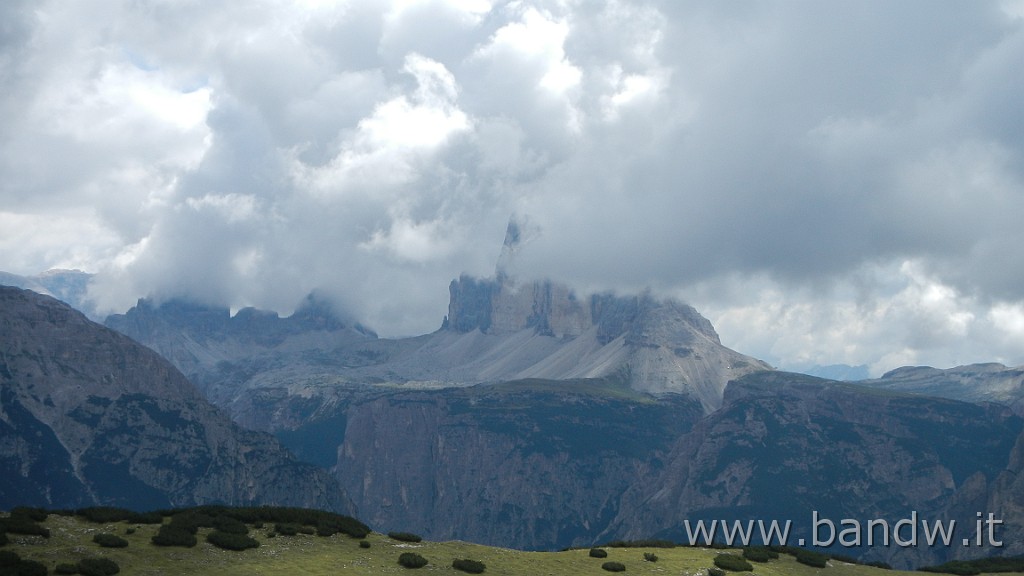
(835, 183)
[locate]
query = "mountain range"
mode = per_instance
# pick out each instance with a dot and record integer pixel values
(539, 418)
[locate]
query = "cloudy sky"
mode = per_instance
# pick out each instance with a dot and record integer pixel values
(828, 182)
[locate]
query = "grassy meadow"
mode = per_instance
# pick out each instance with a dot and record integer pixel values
(71, 539)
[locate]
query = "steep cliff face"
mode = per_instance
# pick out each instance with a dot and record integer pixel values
(534, 464)
(91, 417)
(783, 445)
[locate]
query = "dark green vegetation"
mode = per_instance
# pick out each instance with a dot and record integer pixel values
(650, 557)
(468, 566)
(110, 541)
(812, 558)
(97, 567)
(598, 553)
(231, 541)
(732, 563)
(412, 560)
(984, 565)
(613, 566)
(759, 554)
(405, 536)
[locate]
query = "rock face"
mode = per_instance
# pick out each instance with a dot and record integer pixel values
(787, 444)
(532, 464)
(90, 417)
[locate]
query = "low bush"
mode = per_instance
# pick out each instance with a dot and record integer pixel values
(759, 554)
(404, 536)
(732, 563)
(8, 558)
(97, 567)
(412, 560)
(105, 514)
(31, 568)
(716, 572)
(66, 568)
(364, 543)
(3, 538)
(229, 525)
(231, 540)
(613, 566)
(812, 558)
(170, 535)
(650, 557)
(469, 566)
(23, 525)
(598, 553)
(110, 541)
(958, 567)
(33, 514)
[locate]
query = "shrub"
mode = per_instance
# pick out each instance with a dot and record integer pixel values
(3, 538)
(33, 514)
(105, 514)
(812, 558)
(110, 541)
(231, 540)
(412, 560)
(146, 518)
(469, 566)
(23, 525)
(404, 536)
(129, 530)
(8, 558)
(614, 566)
(97, 567)
(598, 553)
(759, 554)
(286, 528)
(31, 568)
(732, 563)
(170, 535)
(66, 568)
(229, 525)
(650, 557)
(716, 572)
(364, 543)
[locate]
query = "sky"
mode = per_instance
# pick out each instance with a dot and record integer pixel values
(827, 182)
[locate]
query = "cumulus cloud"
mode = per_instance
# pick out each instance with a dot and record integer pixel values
(829, 184)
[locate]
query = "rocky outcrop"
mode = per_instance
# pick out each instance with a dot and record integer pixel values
(88, 417)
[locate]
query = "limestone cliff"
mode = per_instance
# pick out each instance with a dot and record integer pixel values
(90, 417)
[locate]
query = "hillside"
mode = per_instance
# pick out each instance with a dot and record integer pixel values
(89, 416)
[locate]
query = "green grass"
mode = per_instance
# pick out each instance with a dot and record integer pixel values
(71, 540)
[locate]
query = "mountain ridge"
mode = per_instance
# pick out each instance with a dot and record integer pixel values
(91, 417)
